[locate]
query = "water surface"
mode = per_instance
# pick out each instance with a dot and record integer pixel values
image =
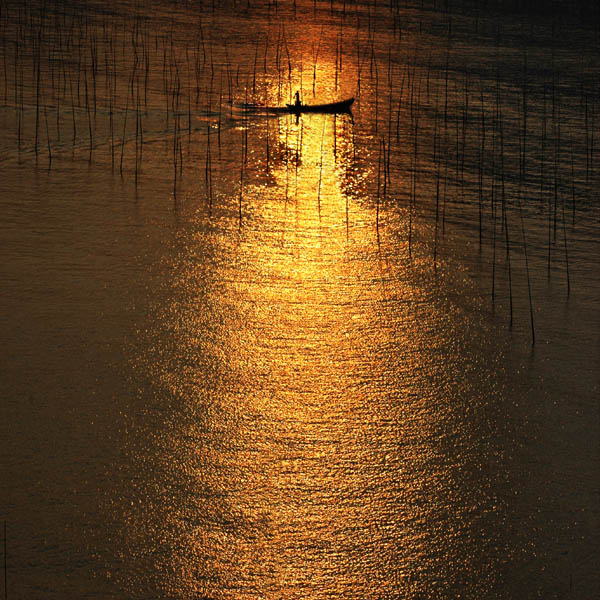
(268, 359)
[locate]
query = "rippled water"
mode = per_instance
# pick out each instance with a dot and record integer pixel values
(271, 360)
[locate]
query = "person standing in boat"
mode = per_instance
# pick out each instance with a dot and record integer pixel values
(297, 103)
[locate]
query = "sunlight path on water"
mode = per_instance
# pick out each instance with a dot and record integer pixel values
(306, 458)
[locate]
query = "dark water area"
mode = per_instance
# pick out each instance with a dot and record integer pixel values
(249, 354)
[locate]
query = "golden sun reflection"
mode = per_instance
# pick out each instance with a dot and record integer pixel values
(300, 352)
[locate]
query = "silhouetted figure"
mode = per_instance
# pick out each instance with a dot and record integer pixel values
(297, 103)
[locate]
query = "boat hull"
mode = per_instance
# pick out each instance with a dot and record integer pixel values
(333, 107)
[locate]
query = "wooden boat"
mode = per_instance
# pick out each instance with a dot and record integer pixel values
(296, 109)
(332, 108)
